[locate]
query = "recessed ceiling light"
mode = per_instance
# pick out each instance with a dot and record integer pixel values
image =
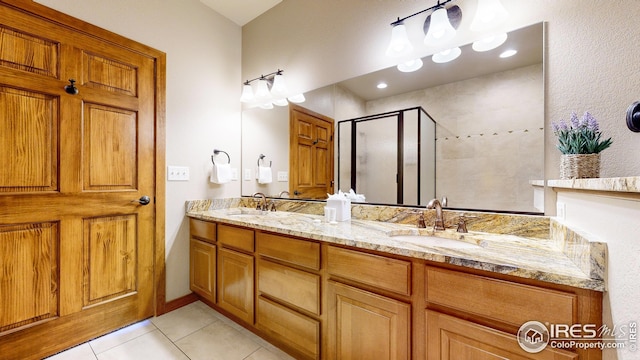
(382, 85)
(508, 53)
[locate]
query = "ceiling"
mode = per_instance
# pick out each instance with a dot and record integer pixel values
(240, 11)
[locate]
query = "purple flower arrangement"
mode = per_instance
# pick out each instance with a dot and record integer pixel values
(580, 136)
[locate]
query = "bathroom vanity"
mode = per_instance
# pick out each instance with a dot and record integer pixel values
(366, 289)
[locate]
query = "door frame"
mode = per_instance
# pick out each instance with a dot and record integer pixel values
(160, 61)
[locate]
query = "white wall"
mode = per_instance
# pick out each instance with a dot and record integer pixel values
(203, 111)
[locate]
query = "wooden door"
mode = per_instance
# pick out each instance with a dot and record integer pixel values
(310, 154)
(364, 325)
(76, 244)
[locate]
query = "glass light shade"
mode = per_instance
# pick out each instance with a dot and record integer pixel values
(279, 87)
(411, 65)
(440, 29)
(262, 91)
(446, 56)
(298, 98)
(399, 45)
(281, 102)
(489, 14)
(489, 42)
(247, 94)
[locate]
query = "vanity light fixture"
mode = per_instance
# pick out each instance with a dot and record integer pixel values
(440, 27)
(268, 90)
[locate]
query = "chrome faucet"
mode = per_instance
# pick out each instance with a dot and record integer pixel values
(262, 205)
(439, 222)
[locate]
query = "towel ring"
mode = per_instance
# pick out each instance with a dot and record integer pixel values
(216, 152)
(261, 157)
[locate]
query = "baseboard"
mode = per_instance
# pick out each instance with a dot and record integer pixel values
(179, 302)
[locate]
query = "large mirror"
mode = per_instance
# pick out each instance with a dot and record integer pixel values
(489, 116)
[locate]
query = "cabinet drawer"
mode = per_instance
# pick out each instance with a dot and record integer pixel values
(293, 286)
(452, 338)
(235, 237)
(298, 252)
(500, 300)
(298, 331)
(381, 272)
(203, 230)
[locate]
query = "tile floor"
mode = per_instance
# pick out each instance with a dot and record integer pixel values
(192, 332)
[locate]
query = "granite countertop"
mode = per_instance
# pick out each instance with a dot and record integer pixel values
(527, 257)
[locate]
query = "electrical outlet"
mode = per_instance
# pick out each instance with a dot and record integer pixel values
(247, 174)
(234, 174)
(561, 210)
(177, 173)
(283, 176)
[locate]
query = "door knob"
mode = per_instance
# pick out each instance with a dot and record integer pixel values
(144, 200)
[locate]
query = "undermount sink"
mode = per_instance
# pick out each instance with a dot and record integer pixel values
(455, 241)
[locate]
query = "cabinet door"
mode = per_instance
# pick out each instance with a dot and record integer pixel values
(364, 325)
(451, 338)
(235, 283)
(202, 274)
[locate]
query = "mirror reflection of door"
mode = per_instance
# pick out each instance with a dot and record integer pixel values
(310, 154)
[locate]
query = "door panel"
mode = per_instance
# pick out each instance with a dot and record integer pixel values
(26, 52)
(28, 270)
(110, 148)
(28, 150)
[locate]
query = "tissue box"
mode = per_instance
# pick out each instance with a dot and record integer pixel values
(343, 208)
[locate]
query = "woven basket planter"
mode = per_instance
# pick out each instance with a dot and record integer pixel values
(579, 166)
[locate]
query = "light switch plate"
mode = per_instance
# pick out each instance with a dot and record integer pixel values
(177, 173)
(247, 174)
(234, 174)
(283, 176)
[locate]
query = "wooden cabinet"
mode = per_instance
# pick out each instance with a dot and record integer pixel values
(289, 288)
(321, 301)
(202, 272)
(236, 271)
(451, 338)
(365, 325)
(235, 283)
(202, 256)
